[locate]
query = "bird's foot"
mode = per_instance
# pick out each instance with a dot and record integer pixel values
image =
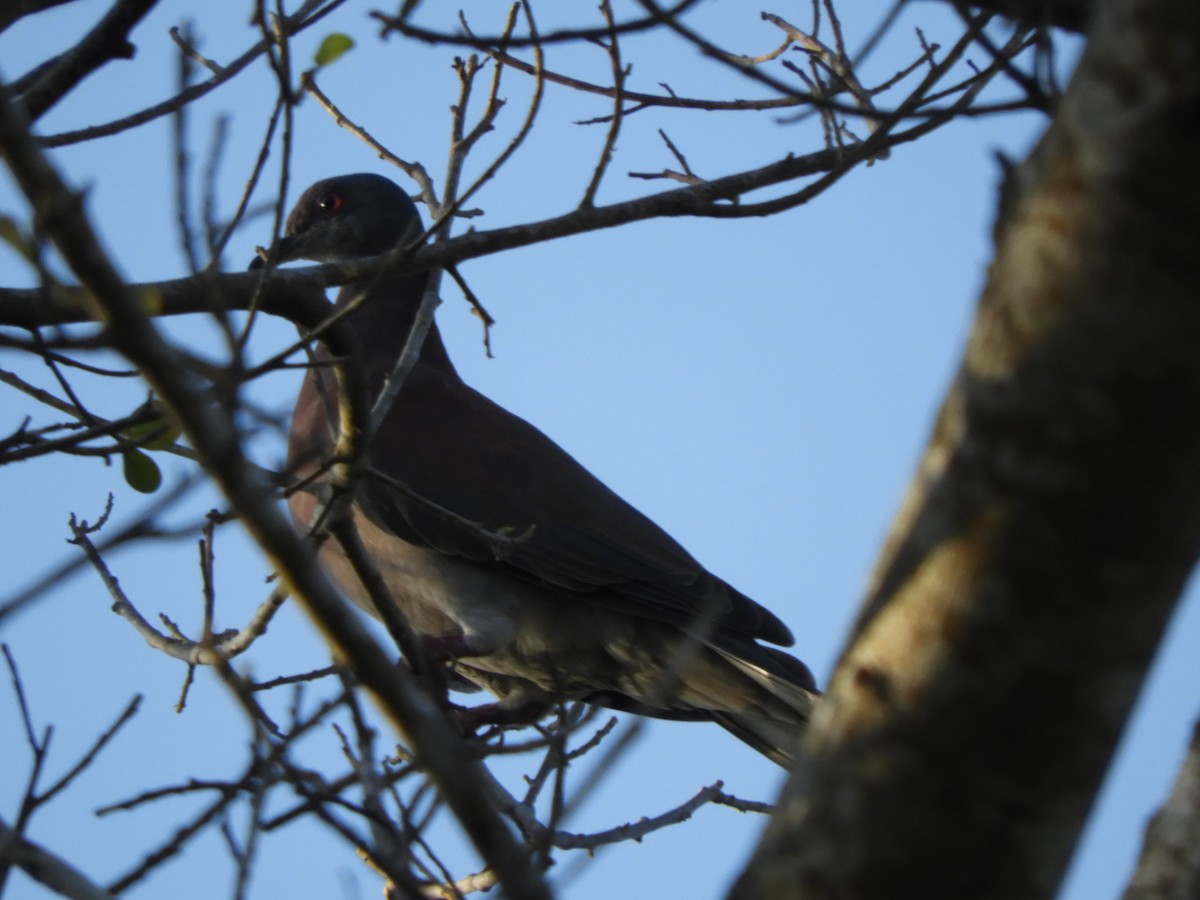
(496, 715)
(445, 648)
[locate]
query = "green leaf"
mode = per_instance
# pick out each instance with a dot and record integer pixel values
(332, 48)
(157, 434)
(141, 472)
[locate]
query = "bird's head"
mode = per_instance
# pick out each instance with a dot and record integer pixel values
(345, 218)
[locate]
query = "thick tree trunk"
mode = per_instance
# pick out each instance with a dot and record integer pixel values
(1053, 522)
(1169, 868)
(1070, 14)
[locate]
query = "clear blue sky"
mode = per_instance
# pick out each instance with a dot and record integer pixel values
(762, 389)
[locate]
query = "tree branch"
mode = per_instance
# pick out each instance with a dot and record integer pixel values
(48, 869)
(40, 89)
(295, 293)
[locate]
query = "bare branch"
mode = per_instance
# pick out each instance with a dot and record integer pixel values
(309, 13)
(613, 48)
(47, 868)
(401, 25)
(42, 88)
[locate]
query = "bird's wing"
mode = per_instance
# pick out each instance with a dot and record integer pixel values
(454, 447)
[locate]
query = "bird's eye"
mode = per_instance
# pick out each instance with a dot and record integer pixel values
(330, 202)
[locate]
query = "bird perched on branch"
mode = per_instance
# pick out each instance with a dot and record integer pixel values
(521, 570)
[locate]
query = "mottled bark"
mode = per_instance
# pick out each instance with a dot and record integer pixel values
(1048, 534)
(1169, 868)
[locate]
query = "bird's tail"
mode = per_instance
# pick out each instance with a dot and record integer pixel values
(775, 724)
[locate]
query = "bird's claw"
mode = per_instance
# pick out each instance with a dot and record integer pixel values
(495, 715)
(444, 648)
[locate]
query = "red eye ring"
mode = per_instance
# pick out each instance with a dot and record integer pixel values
(330, 202)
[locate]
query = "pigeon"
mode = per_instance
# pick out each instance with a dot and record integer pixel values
(521, 571)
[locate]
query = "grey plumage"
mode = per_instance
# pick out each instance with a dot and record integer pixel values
(597, 603)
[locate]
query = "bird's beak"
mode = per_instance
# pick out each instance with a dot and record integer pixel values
(282, 251)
